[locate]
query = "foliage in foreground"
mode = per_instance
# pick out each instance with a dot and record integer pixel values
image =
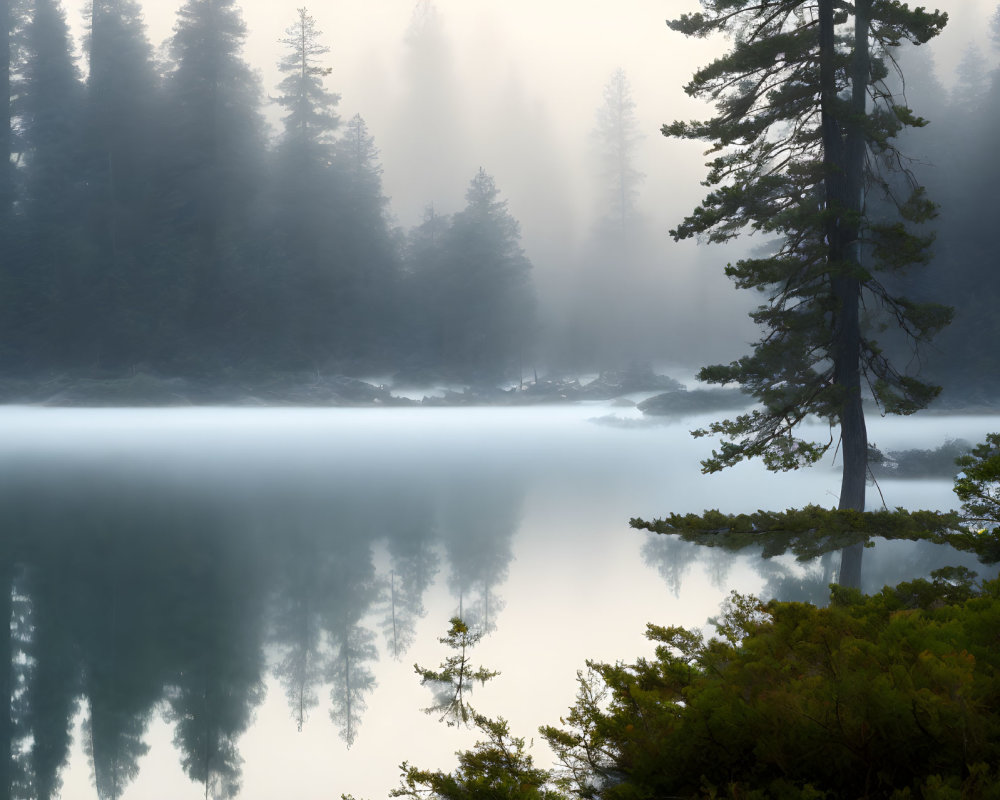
(498, 767)
(455, 676)
(894, 695)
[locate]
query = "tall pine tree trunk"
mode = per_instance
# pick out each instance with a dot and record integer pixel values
(844, 182)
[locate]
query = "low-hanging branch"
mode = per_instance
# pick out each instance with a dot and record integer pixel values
(811, 531)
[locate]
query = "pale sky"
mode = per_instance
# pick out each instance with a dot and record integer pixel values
(550, 58)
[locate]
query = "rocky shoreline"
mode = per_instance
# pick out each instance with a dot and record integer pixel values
(148, 390)
(668, 397)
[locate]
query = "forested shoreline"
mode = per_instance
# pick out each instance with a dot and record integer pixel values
(151, 223)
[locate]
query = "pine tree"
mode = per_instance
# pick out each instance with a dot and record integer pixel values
(617, 135)
(368, 255)
(803, 139)
(311, 116)
(300, 298)
(121, 146)
(212, 177)
(51, 319)
(483, 315)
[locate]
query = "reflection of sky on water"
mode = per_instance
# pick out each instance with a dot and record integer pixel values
(524, 512)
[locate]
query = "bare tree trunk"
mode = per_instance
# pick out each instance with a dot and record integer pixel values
(844, 161)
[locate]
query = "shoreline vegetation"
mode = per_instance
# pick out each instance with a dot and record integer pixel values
(146, 389)
(668, 397)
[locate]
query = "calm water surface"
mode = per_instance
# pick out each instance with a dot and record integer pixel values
(237, 596)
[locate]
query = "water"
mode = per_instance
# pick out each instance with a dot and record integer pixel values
(195, 583)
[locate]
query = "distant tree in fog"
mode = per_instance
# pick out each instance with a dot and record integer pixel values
(617, 135)
(972, 78)
(958, 164)
(298, 306)
(369, 249)
(423, 253)
(616, 304)
(429, 131)
(311, 114)
(482, 304)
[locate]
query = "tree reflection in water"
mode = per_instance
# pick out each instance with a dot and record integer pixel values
(128, 598)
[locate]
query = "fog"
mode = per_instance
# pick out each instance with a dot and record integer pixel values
(472, 214)
(516, 89)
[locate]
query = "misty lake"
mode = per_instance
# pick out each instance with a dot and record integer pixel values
(240, 594)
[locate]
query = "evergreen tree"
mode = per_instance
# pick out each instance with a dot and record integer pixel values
(497, 767)
(881, 696)
(368, 252)
(301, 292)
(212, 178)
(50, 322)
(311, 114)
(804, 131)
(483, 316)
(423, 253)
(123, 94)
(618, 308)
(617, 135)
(456, 676)
(962, 172)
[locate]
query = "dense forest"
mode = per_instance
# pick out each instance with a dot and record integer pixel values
(153, 221)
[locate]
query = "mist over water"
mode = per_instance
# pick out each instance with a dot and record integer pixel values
(228, 601)
(253, 550)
